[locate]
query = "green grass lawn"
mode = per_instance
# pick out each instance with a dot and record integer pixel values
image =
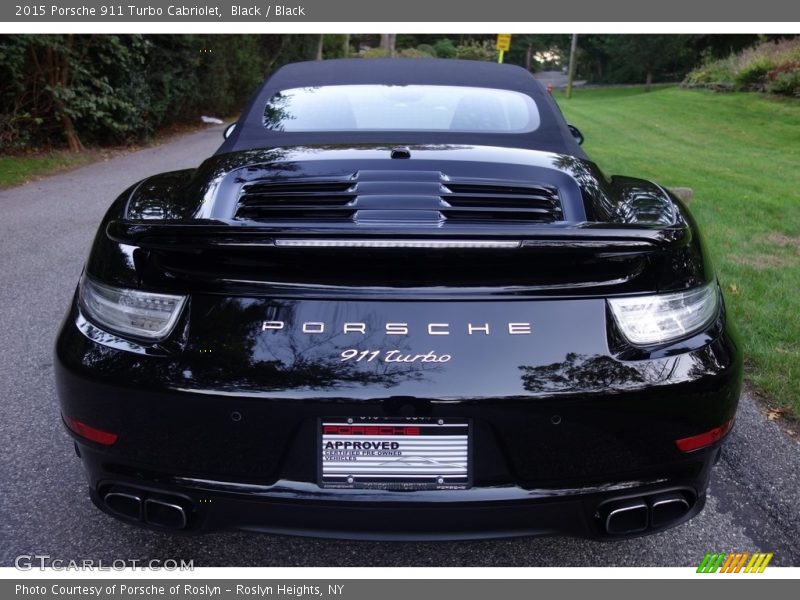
(741, 154)
(17, 169)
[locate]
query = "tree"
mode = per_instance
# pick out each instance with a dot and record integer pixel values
(573, 50)
(554, 46)
(71, 90)
(67, 86)
(636, 58)
(52, 61)
(388, 43)
(320, 46)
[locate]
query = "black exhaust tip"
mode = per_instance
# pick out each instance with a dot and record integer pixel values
(124, 504)
(164, 513)
(626, 517)
(668, 508)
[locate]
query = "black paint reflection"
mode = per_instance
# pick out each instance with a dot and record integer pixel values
(592, 184)
(597, 373)
(160, 198)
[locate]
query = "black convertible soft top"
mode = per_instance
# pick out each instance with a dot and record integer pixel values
(552, 135)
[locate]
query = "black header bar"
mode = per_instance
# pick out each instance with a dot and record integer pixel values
(407, 11)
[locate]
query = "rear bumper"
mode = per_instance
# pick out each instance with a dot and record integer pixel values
(301, 508)
(544, 462)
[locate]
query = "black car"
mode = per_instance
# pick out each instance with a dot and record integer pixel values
(399, 302)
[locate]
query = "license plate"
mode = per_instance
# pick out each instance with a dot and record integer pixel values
(395, 454)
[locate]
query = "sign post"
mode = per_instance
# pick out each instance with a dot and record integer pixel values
(503, 44)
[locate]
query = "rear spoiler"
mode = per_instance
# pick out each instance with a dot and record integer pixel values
(208, 235)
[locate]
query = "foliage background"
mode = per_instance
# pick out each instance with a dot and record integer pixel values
(114, 89)
(68, 91)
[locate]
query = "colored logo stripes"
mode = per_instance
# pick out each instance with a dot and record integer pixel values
(735, 563)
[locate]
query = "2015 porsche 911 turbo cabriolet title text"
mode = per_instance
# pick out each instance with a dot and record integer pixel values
(399, 285)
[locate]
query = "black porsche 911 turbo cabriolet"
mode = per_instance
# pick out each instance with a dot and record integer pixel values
(399, 302)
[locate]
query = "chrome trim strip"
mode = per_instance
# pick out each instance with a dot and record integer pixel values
(671, 501)
(289, 488)
(398, 243)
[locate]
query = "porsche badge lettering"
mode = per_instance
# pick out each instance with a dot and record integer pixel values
(319, 327)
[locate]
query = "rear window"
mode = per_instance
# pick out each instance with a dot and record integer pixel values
(401, 108)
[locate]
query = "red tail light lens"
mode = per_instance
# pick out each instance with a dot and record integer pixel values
(696, 442)
(90, 433)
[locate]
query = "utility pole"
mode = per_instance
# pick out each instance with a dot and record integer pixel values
(571, 70)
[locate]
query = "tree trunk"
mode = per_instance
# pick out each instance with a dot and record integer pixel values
(573, 50)
(73, 141)
(388, 42)
(528, 57)
(274, 56)
(649, 81)
(346, 45)
(320, 46)
(53, 69)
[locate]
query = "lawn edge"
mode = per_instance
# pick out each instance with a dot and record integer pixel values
(771, 410)
(104, 153)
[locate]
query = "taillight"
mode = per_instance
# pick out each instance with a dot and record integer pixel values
(106, 438)
(661, 318)
(701, 440)
(147, 315)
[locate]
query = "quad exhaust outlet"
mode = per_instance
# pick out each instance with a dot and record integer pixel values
(159, 510)
(636, 515)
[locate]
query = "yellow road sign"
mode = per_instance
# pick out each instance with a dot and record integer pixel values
(503, 41)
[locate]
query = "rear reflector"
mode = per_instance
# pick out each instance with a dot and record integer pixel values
(702, 440)
(90, 433)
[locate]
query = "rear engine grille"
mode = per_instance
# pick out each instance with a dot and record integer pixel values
(305, 199)
(397, 196)
(493, 202)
